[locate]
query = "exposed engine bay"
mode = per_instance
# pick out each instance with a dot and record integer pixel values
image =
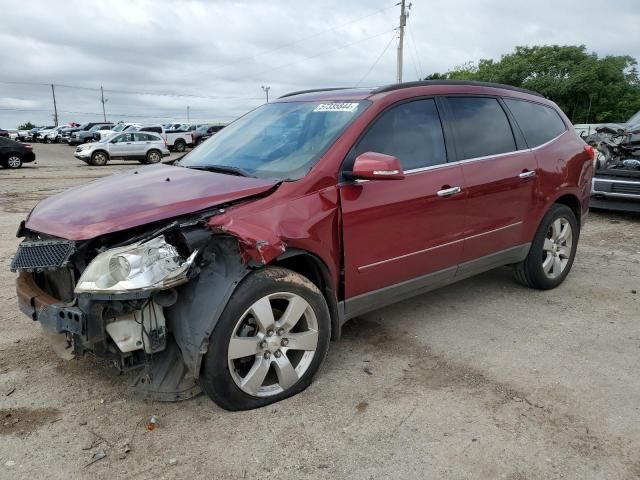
(618, 149)
(116, 297)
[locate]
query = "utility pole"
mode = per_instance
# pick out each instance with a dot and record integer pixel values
(104, 112)
(403, 23)
(55, 107)
(266, 91)
(187, 113)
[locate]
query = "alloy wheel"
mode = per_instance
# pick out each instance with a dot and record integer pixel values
(14, 161)
(273, 344)
(557, 247)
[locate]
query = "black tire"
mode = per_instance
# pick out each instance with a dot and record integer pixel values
(13, 161)
(153, 156)
(216, 378)
(530, 272)
(179, 145)
(99, 158)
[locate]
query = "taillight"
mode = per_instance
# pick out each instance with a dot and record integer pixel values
(27, 146)
(590, 151)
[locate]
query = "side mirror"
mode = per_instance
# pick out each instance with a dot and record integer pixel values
(376, 166)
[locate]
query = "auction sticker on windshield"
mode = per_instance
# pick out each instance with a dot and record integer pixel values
(336, 107)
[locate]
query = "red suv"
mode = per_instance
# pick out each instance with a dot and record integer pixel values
(231, 270)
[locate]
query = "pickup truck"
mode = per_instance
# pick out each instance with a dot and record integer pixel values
(176, 140)
(120, 127)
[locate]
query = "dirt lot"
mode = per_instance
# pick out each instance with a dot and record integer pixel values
(483, 379)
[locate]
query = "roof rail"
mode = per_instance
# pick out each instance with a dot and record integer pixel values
(426, 83)
(300, 92)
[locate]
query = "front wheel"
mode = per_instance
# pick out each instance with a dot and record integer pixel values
(269, 342)
(99, 159)
(552, 251)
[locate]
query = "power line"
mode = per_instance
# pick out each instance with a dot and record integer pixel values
(302, 39)
(415, 50)
(325, 52)
(134, 92)
(377, 60)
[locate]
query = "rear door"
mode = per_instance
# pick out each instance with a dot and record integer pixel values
(141, 143)
(499, 173)
(398, 230)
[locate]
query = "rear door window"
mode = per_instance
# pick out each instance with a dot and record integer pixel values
(411, 132)
(481, 126)
(538, 123)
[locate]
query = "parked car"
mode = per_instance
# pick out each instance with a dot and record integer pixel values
(88, 134)
(49, 135)
(145, 147)
(23, 135)
(616, 181)
(67, 134)
(38, 135)
(175, 139)
(231, 270)
(204, 132)
(4, 133)
(13, 154)
(13, 134)
(120, 127)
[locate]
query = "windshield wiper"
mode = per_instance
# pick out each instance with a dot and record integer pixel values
(240, 172)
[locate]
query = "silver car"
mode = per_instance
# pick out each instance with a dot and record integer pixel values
(145, 147)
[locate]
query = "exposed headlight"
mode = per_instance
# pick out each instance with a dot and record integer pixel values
(151, 265)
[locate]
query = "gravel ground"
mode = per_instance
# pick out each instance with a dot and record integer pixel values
(482, 379)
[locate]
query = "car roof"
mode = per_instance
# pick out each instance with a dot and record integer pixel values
(342, 94)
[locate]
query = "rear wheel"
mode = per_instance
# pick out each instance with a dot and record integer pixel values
(179, 145)
(13, 161)
(269, 342)
(99, 159)
(153, 156)
(552, 251)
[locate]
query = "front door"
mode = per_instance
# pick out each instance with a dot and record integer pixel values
(122, 145)
(500, 176)
(398, 231)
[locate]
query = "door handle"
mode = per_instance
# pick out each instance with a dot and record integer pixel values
(447, 192)
(527, 174)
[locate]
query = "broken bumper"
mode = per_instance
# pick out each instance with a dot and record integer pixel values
(85, 328)
(41, 307)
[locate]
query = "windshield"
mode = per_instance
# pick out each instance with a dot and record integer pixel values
(202, 129)
(277, 140)
(119, 127)
(635, 119)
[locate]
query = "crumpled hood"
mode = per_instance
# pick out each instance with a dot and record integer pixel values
(136, 197)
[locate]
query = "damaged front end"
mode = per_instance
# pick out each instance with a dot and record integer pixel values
(129, 303)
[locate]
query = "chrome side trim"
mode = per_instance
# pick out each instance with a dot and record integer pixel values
(487, 157)
(400, 257)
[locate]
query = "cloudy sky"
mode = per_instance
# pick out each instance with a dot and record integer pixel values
(154, 57)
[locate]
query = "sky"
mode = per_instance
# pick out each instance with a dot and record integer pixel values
(156, 58)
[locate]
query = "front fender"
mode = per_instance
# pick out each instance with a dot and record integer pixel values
(202, 300)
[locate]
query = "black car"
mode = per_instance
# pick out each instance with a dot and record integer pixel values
(14, 154)
(4, 133)
(204, 132)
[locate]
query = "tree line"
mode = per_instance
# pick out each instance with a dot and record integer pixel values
(590, 89)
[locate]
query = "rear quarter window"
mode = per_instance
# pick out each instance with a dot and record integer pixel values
(538, 123)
